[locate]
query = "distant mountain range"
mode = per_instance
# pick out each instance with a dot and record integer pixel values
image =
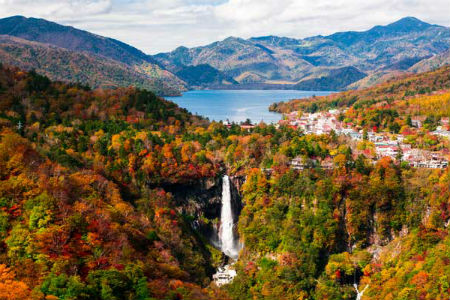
(336, 62)
(339, 61)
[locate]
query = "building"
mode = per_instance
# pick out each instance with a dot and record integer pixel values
(418, 158)
(386, 149)
(418, 121)
(327, 163)
(247, 127)
(298, 163)
(224, 275)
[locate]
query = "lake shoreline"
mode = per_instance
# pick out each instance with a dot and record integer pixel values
(239, 105)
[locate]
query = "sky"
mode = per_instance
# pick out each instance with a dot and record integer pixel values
(155, 26)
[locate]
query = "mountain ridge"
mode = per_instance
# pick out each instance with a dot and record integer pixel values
(69, 37)
(260, 60)
(70, 66)
(128, 61)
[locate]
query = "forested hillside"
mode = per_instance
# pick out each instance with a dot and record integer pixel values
(68, 54)
(421, 94)
(69, 66)
(90, 204)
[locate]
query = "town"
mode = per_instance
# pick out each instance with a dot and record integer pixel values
(384, 144)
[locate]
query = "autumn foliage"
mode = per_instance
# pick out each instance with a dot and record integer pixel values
(98, 199)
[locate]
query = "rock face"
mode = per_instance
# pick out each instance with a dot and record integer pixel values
(202, 202)
(316, 62)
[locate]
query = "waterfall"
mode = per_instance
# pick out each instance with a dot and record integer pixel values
(229, 244)
(359, 293)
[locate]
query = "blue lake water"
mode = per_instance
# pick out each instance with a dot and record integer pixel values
(238, 105)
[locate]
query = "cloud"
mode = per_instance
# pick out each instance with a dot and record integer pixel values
(244, 11)
(162, 25)
(55, 9)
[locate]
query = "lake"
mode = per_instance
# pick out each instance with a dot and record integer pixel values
(238, 105)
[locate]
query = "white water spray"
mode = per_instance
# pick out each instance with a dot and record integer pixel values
(359, 293)
(228, 242)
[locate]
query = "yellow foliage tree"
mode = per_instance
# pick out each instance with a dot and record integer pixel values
(11, 289)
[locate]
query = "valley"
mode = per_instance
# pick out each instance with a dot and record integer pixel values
(121, 193)
(267, 168)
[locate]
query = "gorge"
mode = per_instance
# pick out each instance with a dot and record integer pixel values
(228, 239)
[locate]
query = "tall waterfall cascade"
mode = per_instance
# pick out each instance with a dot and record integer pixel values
(228, 240)
(229, 244)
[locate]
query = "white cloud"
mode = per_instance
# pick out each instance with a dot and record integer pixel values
(55, 9)
(162, 25)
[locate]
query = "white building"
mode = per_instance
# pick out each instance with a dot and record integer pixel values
(224, 275)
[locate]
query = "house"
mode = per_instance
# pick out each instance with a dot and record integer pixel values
(373, 137)
(425, 159)
(298, 163)
(431, 164)
(224, 275)
(226, 123)
(386, 149)
(247, 127)
(442, 133)
(418, 121)
(283, 122)
(405, 147)
(327, 163)
(356, 135)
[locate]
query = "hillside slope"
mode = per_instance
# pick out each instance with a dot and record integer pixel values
(71, 66)
(127, 59)
(43, 31)
(394, 89)
(431, 63)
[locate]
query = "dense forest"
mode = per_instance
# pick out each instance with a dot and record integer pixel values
(89, 210)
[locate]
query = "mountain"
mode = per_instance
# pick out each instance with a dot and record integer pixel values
(281, 60)
(335, 79)
(406, 25)
(71, 66)
(54, 42)
(339, 61)
(203, 76)
(431, 63)
(43, 31)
